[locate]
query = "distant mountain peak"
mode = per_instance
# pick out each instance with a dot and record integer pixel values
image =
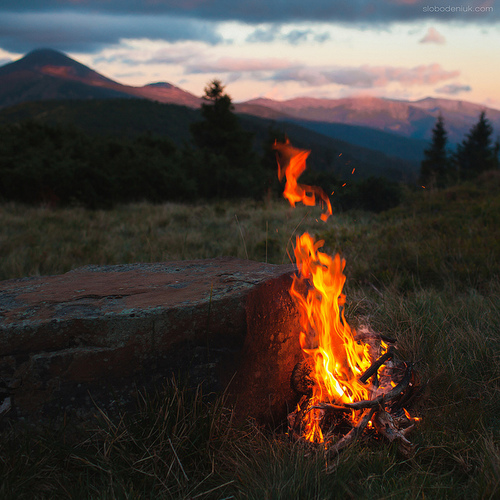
(46, 52)
(41, 57)
(163, 85)
(54, 64)
(49, 74)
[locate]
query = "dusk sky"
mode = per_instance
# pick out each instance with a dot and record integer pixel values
(403, 49)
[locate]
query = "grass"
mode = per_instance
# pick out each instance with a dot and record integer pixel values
(40, 241)
(426, 273)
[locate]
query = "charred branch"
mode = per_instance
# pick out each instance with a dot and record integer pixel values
(402, 386)
(388, 340)
(389, 396)
(296, 417)
(368, 403)
(386, 426)
(300, 380)
(376, 365)
(329, 407)
(407, 397)
(352, 435)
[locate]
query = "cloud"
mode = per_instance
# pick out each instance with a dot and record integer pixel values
(366, 76)
(133, 54)
(70, 31)
(297, 36)
(294, 37)
(229, 65)
(266, 11)
(264, 35)
(453, 89)
(433, 36)
(89, 25)
(322, 37)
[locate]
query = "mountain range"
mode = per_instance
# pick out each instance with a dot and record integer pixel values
(48, 74)
(394, 127)
(411, 119)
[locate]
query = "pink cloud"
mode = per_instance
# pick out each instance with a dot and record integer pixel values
(230, 64)
(367, 76)
(453, 89)
(433, 36)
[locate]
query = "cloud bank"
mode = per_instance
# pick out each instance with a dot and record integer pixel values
(264, 11)
(85, 25)
(74, 32)
(366, 77)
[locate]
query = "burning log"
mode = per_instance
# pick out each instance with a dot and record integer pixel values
(353, 434)
(329, 407)
(301, 381)
(385, 418)
(402, 386)
(377, 364)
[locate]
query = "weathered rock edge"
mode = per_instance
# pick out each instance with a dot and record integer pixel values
(97, 334)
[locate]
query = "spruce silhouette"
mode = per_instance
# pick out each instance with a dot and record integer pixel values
(477, 153)
(435, 167)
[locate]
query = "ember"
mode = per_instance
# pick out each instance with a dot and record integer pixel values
(349, 380)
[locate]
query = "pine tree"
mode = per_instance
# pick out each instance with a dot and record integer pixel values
(220, 131)
(227, 148)
(435, 167)
(476, 153)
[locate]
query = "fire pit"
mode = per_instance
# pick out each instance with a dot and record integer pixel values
(349, 381)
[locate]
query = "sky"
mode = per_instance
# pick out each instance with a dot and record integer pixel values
(279, 49)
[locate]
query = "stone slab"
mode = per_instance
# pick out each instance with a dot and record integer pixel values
(107, 328)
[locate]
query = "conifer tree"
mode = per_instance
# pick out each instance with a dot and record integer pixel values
(227, 148)
(476, 153)
(435, 167)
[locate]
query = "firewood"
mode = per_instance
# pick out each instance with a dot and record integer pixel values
(386, 426)
(402, 386)
(300, 380)
(352, 435)
(372, 370)
(366, 403)
(329, 407)
(383, 398)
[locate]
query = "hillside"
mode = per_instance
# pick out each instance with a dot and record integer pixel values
(131, 117)
(388, 143)
(411, 119)
(395, 128)
(48, 74)
(116, 117)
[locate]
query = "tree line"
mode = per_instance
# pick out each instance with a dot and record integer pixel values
(62, 165)
(477, 153)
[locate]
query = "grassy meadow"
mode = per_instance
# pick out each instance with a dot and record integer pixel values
(426, 273)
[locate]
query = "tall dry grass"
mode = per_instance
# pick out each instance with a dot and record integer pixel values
(426, 274)
(41, 241)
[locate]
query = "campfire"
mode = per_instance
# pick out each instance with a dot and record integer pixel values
(350, 382)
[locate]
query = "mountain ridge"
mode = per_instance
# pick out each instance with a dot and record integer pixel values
(412, 119)
(46, 74)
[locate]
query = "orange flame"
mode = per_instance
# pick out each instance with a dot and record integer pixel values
(291, 164)
(325, 337)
